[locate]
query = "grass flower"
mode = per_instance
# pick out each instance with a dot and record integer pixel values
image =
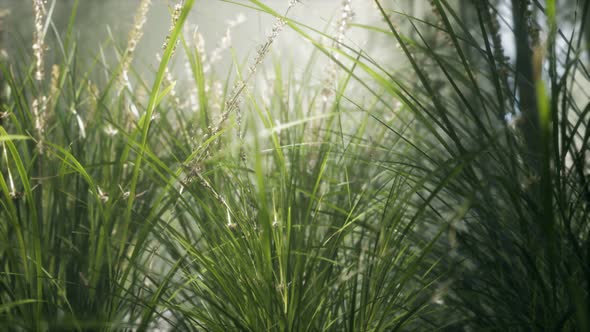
(231, 104)
(175, 15)
(38, 38)
(331, 72)
(132, 41)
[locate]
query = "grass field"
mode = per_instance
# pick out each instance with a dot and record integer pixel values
(437, 179)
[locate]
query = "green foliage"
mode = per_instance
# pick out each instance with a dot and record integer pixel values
(448, 192)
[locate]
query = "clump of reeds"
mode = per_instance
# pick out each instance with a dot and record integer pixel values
(268, 240)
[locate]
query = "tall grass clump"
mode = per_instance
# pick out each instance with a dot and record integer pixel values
(499, 146)
(276, 224)
(436, 182)
(75, 247)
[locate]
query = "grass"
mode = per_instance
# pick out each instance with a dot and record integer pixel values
(448, 191)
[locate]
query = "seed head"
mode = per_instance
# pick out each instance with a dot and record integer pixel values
(38, 43)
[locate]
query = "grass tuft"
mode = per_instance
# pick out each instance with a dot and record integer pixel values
(437, 182)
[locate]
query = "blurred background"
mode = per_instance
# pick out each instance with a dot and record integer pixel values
(100, 21)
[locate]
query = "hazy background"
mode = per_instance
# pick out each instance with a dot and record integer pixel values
(98, 19)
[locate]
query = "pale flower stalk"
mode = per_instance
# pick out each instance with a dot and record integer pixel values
(39, 105)
(332, 70)
(175, 15)
(232, 104)
(38, 42)
(134, 37)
